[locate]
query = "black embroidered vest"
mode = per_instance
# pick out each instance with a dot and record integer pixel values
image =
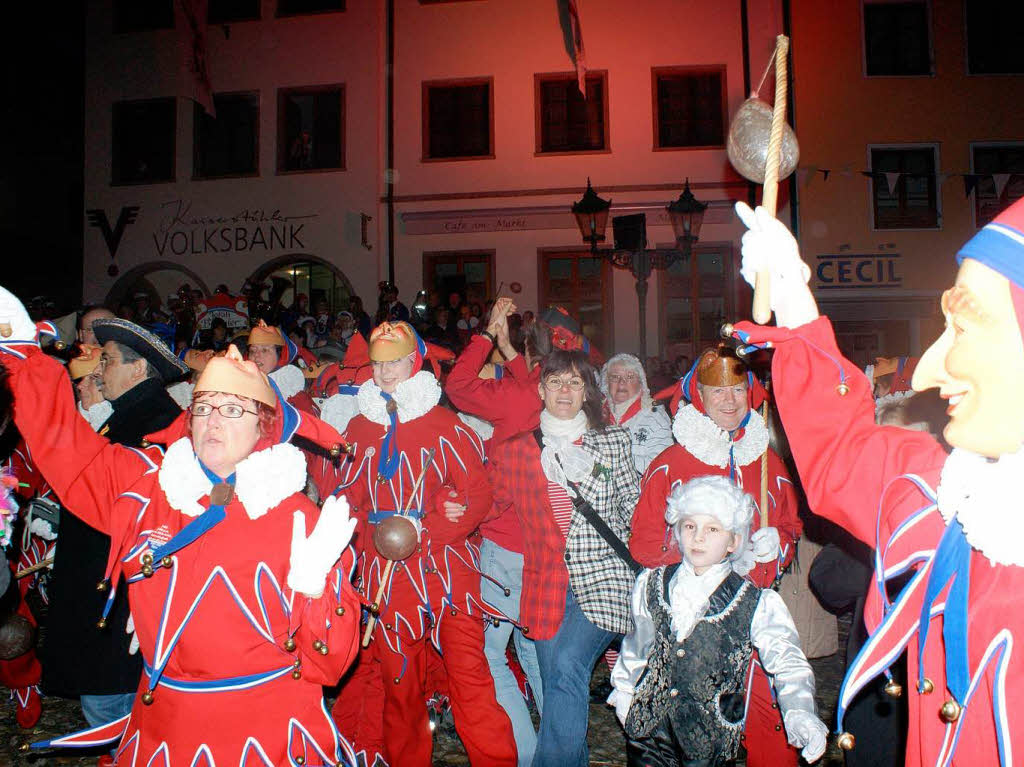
(698, 685)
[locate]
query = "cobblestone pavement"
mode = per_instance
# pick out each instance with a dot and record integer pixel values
(606, 740)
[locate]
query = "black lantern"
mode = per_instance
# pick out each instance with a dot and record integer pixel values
(591, 214)
(686, 215)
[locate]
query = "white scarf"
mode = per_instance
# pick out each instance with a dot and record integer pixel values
(689, 595)
(562, 461)
(97, 414)
(710, 444)
(984, 496)
(619, 410)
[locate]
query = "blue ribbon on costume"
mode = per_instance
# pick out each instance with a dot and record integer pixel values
(376, 517)
(952, 560)
(390, 456)
(200, 525)
(732, 444)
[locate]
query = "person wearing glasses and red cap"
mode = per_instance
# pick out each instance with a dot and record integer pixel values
(951, 520)
(238, 585)
(720, 432)
(431, 599)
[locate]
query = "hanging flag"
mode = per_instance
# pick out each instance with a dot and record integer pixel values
(970, 181)
(825, 172)
(1000, 180)
(892, 179)
(570, 14)
(195, 75)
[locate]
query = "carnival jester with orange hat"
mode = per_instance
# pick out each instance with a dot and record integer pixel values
(955, 521)
(415, 458)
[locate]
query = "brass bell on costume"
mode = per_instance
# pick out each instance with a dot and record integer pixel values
(927, 686)
(289, 644)
(102, 586)
(842, 389)
(296, 674)
(166, 562)
(846, 741)
(317, 644)
(101, 623)
(339, 610)
(893, 689)
(950, 711)
(323, 649)
(147, 697)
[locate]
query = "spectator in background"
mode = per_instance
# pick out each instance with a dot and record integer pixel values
(682, 366)
(362, 319)
(219, 334)
(89, 315)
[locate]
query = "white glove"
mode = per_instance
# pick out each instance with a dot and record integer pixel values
(621, 701)
(312, 558)
(129, 628)
(769, 246)
(13, 315)
(766, 544)
(805, 731)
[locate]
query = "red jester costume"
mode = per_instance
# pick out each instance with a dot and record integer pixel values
(236, 634)
(433, 596)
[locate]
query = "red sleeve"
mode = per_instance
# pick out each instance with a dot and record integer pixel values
(466, 390)
(845, 460)
(85, 470)
(468, 479)
(650, 542)
(516, 368)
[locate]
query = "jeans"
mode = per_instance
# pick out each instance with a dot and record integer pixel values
(506, 567)
(566, 664)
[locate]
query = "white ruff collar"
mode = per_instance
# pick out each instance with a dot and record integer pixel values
(289, 380)
(181, 392)
(262, 480)
(415, 396)
(982, 493)
(484, 429)
(709, 444)
(338, 409)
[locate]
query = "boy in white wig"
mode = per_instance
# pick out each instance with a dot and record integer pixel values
(680, 681)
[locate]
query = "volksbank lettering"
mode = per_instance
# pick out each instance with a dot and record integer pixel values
(227, 239)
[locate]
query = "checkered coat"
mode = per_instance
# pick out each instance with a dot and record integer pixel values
(601, 581)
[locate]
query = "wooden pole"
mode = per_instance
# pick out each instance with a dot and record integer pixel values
(761, 310)
(764, 472)
(33, 568)
(372, 623)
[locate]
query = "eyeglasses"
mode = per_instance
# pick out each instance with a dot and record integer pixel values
(228, 410)
(387, 365)
(554, 383)
(626, 378)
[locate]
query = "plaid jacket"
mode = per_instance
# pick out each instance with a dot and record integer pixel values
(601, 581)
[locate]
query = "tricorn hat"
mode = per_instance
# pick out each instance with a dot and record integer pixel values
(143, 343)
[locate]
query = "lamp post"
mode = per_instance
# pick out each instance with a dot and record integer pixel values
(686, 215)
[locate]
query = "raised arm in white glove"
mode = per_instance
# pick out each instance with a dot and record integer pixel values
(769, 246)
(806, 732)
(766, 544)
(14, 316)
(312, 558)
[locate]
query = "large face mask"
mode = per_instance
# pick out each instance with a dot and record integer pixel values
(977, 363)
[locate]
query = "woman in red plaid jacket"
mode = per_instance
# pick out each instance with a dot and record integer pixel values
(576, 589)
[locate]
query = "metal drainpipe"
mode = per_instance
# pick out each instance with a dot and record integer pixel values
(389, 176)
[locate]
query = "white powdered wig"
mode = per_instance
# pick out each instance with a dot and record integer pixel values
(721, 499)
(633, 363)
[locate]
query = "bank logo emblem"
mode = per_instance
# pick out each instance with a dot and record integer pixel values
(98, 218)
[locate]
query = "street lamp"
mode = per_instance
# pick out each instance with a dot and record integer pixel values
(686, 215)
(591, 214)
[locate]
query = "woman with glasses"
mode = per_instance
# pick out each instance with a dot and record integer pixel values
(238, 585)
(576, 589)
(628, 403)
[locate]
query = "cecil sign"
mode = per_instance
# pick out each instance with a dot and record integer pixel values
(859, 271)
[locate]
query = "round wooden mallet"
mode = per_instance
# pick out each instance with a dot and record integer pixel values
(371, 624)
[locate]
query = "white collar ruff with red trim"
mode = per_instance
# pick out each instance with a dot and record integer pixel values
(710, 444)
(262, 480)
(415, 396)
(982, 494)
(289, 380)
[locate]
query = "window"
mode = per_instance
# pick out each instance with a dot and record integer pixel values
(582, 284)
(904, 189)
(297, 7)
(897, 38)
(470, 274)
(226, 11)
(695, 296)
(689, 107)
(458, 120)
(229, 144)
(136, 16)
(1001, 182)
(311, 128)
(995, 37)
(566, 122)
(143, 135)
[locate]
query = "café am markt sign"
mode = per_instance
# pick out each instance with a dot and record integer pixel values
(183, 231)
(869, 270)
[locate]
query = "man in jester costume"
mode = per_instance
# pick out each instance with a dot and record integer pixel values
(953, 521)
(431, 599)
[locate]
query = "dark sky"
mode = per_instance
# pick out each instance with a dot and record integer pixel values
(41, 208)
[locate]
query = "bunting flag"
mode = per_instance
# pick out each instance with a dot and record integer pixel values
(970, 181)
(572, 8)
(825, 172)
(1000, 180)
(806, 173)
(195, 76)
(892, 179)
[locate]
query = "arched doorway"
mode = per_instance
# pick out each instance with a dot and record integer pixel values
(157, 279)
(281, 280)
